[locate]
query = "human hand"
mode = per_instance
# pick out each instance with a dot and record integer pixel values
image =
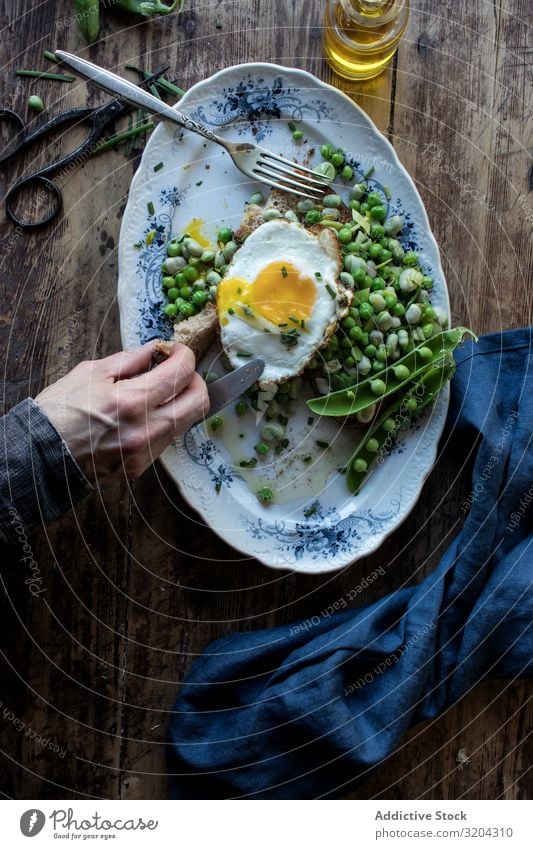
(117, 417)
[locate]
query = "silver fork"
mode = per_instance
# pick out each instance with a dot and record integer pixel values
(254, 161)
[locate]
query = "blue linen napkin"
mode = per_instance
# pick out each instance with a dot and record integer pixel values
(303, 713)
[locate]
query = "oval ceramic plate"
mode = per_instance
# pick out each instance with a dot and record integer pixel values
(315, 525)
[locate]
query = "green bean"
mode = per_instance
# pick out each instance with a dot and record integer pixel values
(341, 403)
(381, 434)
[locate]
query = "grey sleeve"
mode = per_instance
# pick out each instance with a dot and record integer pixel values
(39, 478)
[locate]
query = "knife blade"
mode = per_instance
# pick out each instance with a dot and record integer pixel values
(228, 388)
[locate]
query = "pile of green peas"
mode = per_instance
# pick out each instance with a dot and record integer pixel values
(191, 273)
(391, 310)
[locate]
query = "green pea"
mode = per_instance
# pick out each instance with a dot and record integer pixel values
(272, 431)
(410, 258)
(297, 135)
(359, 275)
(360, 465)
(425, 353)
(428, 330)
(401, 372)
(398, 309)
(411, 404)
(332, 201)
(208, 257)
(326, 170)
(216, 422)
(370, 351)
(363, 209)
(393, 225)
(355, 333)
(170, 310)
(354, 204)
(185, 292)
(261, 448)
(265, 495)
(173, 249)
(381, 354)
(257, 198)
(199, 299)
(224, 235)
(313, 216)
(357, 191)
(378, 212)
(388, 425)
(305, 205)
(366, 310)
(186, 309)
(190, 273)
(378, 387)
(241, 407)
(174, 264)
(326, 151)
(179, 279)
(345, 235)
(213, 278)
(168, 282)
(377, 231)
(337, 159)
(374, 199)
(173, 293)
(229, 250)
(347, 279)
(375, 250)
(348, 322)
(35, 103)
(390, 301)
(347, 173)
(349, 362)
(427, 282)
(378, 366)
(193, 247)
(372, 445)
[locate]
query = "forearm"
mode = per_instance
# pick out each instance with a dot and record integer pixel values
(39, 478)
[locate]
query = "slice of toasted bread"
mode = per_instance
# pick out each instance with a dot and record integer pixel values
(197, 332)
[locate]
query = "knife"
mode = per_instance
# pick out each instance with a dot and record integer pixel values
(226, 389)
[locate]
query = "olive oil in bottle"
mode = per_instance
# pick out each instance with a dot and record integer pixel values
(361, 36)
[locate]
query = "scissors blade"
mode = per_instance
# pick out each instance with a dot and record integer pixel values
(228, 388)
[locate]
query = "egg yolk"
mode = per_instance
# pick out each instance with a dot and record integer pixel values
(279, 294)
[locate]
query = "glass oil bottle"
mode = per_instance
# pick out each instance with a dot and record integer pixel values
(361, 36)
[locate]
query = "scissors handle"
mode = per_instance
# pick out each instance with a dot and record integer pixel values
(44, 187)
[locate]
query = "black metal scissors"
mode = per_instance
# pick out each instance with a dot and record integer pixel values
(98, 120)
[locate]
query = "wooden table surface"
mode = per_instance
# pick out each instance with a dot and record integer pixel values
(135, 587)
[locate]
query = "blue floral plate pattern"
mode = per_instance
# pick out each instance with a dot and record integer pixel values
(316, 531)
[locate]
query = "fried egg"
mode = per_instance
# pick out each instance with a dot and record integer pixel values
(281, 298)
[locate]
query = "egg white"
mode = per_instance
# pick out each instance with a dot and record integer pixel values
(315, 255)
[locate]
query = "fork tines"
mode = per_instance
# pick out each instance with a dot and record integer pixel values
(290, 176)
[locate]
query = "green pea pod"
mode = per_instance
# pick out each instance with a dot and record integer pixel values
(88, 17)
(150, 8)
(359, 396)
(384, 430)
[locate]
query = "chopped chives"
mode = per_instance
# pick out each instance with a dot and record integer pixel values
(318, 275)
(369, 173)
(284, 271)
(137, 244)
(44, 75)
(51, 56)
(150, 207)
(283, 325)
(169, 87)
(244, 354)
(294, 319)
(302, 324)
(292, 126)
(158, 166)
(310, 420)
(247, 311)
(231, 311)
(199, 183)
(120, 137)
(322, 444)
(331, 292)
